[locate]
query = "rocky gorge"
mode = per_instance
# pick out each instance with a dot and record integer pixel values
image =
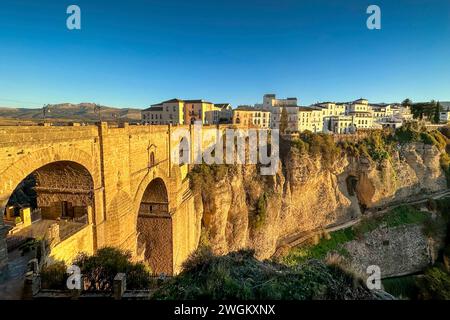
(311, 190)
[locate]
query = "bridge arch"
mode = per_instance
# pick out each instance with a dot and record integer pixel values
(15, 173)
(60, 189)
(154, 227)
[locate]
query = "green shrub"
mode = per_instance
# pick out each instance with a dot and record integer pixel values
(396, 217)
(54, 276)
(446, 131)
(407, 133)
(203, 177)
(443, 205)
(100, 269)
(317, 144)
(258, 218)
(427, 138)
(441, 140)
(301, 254)
(445, 165)
(435, 284)
(402, 287)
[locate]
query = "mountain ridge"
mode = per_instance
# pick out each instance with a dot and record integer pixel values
(85, 111)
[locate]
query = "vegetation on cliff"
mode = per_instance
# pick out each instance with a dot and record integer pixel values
(204, 179)
(239, 275)
(377, 145)
(317, 144)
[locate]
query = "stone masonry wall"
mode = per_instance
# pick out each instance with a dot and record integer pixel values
(117, 160)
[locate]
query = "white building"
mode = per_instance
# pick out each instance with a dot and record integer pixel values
(444, 116)
(270, 101)
(382, 112)
(292, 115)
(330, 109)
(226, 112)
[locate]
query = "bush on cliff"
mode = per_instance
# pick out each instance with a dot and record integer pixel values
(239, 275)
(317, 144)
(258, 217)
(434, 285)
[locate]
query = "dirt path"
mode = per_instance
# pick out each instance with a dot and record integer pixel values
(11, 288)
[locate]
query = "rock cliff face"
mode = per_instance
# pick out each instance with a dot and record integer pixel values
(246, 210)
(397, 251)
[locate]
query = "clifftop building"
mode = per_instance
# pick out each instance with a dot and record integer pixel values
(270, 101)
(177, 111)
(251, 117)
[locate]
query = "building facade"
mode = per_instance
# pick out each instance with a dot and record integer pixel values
(177, 111)
(166, 112)
(270, 101)
(251, 117)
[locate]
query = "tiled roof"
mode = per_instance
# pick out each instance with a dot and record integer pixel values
(222, 105)
(249, 108)
(172, 100)
(197, 101)
(154, 108)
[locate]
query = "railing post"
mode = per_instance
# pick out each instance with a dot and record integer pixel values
(32, 285)
(119, 285)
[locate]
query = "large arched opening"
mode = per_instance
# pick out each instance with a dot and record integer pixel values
(53, 202)
(154, 226)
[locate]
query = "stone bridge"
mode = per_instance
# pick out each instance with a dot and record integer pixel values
(122, 178)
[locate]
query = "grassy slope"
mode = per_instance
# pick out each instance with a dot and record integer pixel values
(239, 275)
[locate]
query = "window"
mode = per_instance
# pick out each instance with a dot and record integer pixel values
(152, 159)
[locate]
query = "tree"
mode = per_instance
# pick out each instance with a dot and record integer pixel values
(437, 111)
(407, 102)
(283, 120)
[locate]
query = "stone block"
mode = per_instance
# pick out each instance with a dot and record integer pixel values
(10, 213)
(25, 214)
(119, 285)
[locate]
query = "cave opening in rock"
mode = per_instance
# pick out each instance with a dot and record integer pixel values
(351, 183)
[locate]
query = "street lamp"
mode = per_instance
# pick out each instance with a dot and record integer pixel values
(45, 110)
(98, 109)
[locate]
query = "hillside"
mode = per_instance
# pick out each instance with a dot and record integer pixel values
(71, 112)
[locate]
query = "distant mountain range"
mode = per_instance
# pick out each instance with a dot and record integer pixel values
(83, 112)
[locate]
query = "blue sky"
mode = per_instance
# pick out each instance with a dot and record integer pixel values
(135, 53)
